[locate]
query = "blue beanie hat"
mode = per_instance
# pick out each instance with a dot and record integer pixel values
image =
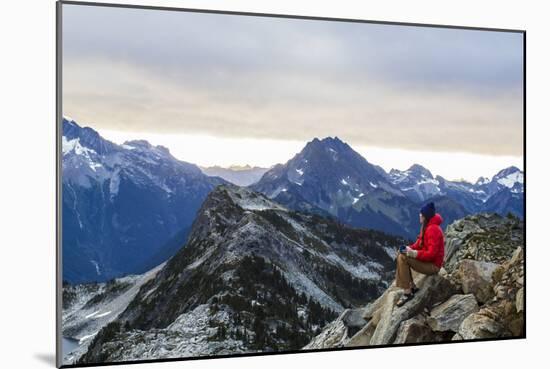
(428, 210)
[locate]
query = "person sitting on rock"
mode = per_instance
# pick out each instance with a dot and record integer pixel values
(424, 256)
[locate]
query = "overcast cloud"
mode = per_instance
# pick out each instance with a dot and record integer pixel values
(256, 77)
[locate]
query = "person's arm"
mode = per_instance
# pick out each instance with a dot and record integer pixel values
(416, 244)
(429, 251)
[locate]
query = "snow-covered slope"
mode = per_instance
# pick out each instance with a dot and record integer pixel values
(87, 308)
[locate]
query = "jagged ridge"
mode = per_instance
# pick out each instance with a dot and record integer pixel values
(254, 276)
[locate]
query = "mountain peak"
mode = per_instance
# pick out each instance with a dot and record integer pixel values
(88, 137)
(507, 171)
(482, 181)
(139, 143)
(69, 121)
(246, 198)
(334, 139)
(419, 169)
(328, 142)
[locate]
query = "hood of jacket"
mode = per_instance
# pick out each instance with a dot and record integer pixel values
(437, 219)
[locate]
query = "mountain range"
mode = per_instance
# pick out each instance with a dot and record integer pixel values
(125, 208)
(254, 276)
(239, 175)
(505, 188)
(164, 261)
(329, 177)
(129, 207)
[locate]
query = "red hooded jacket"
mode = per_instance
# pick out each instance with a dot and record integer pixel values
(433, 248)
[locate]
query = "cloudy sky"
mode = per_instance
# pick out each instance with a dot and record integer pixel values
(224, 89)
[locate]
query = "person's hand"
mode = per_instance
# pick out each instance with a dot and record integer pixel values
(411, 253)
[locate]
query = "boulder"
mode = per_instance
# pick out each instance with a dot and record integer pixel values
(338, 332)
(385, 321)
(362, 338)
(478, 325)
(483, 237)
(414, 330)
(448, 315)
(373, 307)
(472, 298)
(476, 277)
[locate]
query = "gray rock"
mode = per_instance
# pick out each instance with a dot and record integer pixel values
(452, 245)
(484, 258)
(363, 337)
(333, 334)
(517, 255)
(353, 318)
(449, 315)
(478, 325)
(457, 337)
(414, 330)
(484, 237)
(387, 318)
(519, 300)
(476, 277)
(337, 333)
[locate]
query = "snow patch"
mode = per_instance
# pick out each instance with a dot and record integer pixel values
(114, 184)
(511, 179)
(85, 338)
(74, 145)
(102, 315)
(360, 271)
(96, 267)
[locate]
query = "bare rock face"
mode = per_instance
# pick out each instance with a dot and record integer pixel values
(479, 325)
(479, 294)
(476, 277)
(448, 315)
(335, 334)
(338, 332)
(519, 300)
(414, 330)
(386, 317)
(482, 237)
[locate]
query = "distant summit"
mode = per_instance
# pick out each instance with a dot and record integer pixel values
(329, 177)
(126, 208)
(253, 276)
(239, 175)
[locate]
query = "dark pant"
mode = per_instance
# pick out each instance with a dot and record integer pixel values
(403, 275)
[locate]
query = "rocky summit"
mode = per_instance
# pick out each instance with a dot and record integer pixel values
(254, 276)
(479, 294)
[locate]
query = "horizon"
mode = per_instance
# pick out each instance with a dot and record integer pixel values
(196, 150)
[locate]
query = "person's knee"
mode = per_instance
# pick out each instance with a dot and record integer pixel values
(401, 258)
